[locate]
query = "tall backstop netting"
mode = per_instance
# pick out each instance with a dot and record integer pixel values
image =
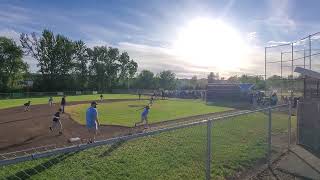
(282, 59)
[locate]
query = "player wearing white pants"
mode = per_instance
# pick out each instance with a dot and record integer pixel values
(56, 122)
(144, 118)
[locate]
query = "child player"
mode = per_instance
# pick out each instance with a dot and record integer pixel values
(56, 122)
(144, 117)
(27, 106)
(50, 101)
(101, 97)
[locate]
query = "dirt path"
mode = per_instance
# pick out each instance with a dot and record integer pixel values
(21, 130)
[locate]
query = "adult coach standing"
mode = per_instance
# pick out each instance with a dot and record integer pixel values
(63, 103)
(92, 121)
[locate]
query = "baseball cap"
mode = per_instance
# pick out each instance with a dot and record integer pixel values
(93, 102)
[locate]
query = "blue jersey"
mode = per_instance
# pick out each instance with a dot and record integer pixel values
(145, 112)
(91, 116)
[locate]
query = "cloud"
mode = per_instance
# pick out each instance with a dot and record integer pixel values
(275, 43)
(252, 36)
(158, 59)
(96, 32)
(13, 14)
(12, 34)
(279, 15)
(128, 26)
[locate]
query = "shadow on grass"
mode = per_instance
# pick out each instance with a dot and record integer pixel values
(28, 173)
(112, 148)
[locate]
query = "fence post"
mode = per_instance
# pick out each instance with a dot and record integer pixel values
(289, 124)
(269, 135)
(298, 116)
(208, 162)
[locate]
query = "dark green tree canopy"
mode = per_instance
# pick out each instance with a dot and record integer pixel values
(12, 68)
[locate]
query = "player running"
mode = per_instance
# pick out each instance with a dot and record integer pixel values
(92, 121)
(27, 106)
(144, 117)
(101, 97)
(151, 100)
(63, 103)
(50, 101)
(56, 122)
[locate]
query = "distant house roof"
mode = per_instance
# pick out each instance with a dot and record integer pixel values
(246, 86)
(307, 72)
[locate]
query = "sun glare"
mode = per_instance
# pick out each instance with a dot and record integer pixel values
(211, 43)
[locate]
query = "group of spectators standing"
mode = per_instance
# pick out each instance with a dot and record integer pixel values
(184, 94)
(259, 98)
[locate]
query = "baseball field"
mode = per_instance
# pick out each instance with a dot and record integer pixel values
(126, 113)
(8, 103)
(238, 143)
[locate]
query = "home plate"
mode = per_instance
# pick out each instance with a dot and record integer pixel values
(75, 139)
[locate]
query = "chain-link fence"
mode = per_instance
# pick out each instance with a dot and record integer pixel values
(282, 59)
(214, 148)
(17, 95)
(308, 134)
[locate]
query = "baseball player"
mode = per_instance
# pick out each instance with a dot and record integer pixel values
(56, 122)
(50, 101)
(27, 106)
(63, 103)
(144, 117)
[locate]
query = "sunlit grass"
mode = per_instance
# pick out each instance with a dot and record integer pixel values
(128, 112)
(237, 143)
(7, 103)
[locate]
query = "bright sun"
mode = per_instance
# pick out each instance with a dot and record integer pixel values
(211, 43)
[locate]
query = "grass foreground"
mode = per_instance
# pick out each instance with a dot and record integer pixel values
(237, 143)
(128, 112)
(8, 103)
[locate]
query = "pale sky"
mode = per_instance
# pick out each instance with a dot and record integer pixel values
(189, 37)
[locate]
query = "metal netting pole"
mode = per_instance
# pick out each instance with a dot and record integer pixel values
(269, 135)
(292, 83)
(208, 162)
(304, 58)
(281, 73)
(265, 64)
(309, 37)
(289, 124)
(297, 121)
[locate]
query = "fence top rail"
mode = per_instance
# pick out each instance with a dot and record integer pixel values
(290, 43)
(79, 147)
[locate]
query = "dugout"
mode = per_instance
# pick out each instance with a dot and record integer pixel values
(228, 92)
(308, 111)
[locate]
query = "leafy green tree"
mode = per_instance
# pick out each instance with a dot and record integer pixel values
(194, 82)
(104, 67)
(132, 69)
(233, 79)
(145, 80)
(81, 59)
(55, 57)
(12, 68)
(167, 79)
(124, 60)
(211, 77)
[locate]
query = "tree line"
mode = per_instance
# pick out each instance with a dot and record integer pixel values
(67, 65)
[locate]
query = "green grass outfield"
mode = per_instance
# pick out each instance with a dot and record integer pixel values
(237, 144)
(7, 103)
(128, 112)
